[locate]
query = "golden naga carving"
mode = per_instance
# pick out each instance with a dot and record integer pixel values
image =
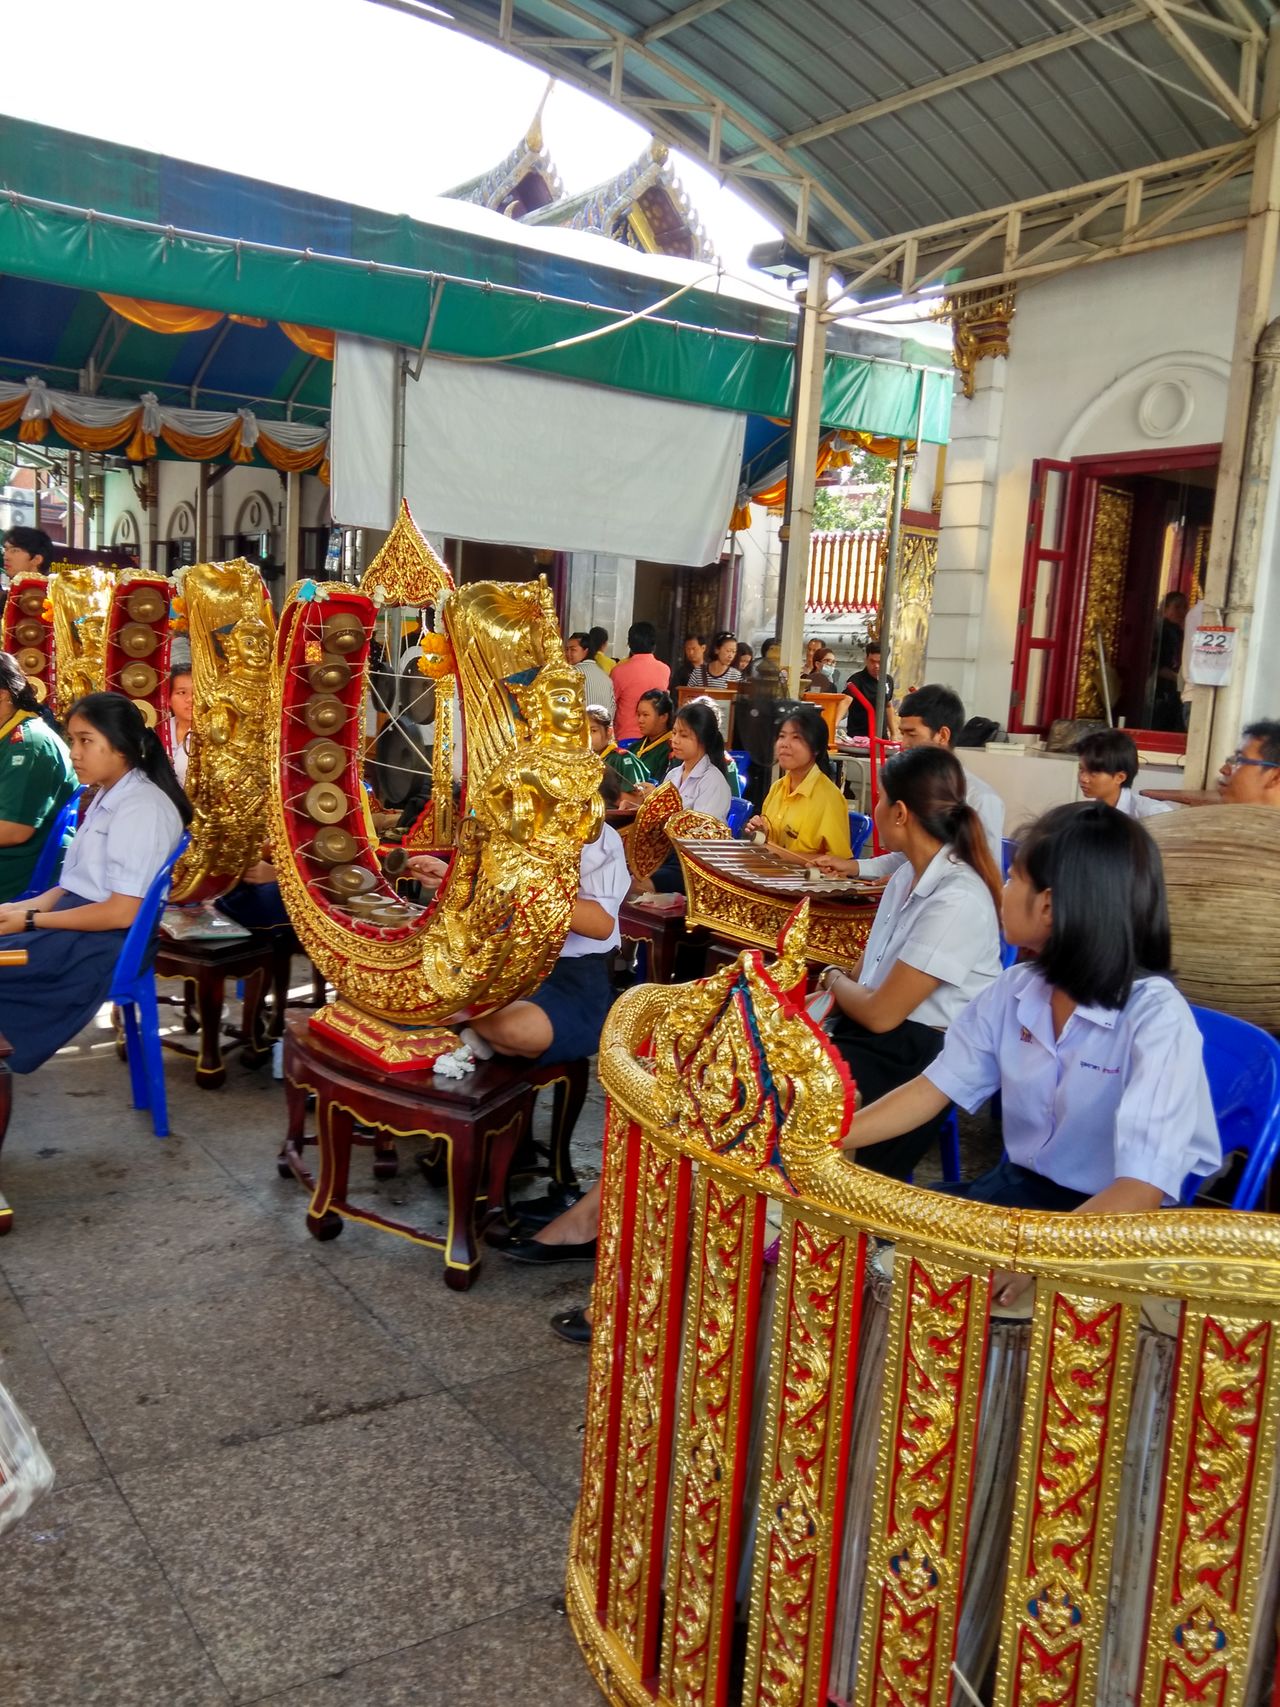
(230, 626)
(79, 594)
(798, 1433)
(530, 800)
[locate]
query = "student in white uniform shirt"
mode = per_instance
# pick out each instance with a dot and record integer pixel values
(1096, 1055)
(700, 776)
(934, 945)
(73, 933)
(932, 716)
(1108, 768)
(179, 730)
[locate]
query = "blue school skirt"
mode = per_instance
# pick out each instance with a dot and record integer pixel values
(1012, 1186)
(65, 981)
(576, 997)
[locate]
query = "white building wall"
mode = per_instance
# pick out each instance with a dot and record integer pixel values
(1128, 355)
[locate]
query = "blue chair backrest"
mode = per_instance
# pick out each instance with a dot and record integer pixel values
(859, 830)
(1008, 848)
(739, 759)
(48, 864)
(737, 815)
(136, 951)
(1243, 1068)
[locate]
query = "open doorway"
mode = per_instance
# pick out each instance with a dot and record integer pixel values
(1116, 549)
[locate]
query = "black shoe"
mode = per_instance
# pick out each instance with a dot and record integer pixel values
(572, 1325)
(542, 1211)
(532, 1251)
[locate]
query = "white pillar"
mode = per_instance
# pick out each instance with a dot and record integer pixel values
(806, 431)
(964, 539)
(292, 529)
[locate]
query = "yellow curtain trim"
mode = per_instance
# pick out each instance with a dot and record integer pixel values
(95, 438)
(10, 412)
(33, 432)
(740, 520)
(313, 339)
(290, 461)
(162, 316)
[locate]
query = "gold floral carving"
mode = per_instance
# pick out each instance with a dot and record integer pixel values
(232, 630)
(1104, 594)
(837, 932)
(532, 799)
(80, 595)
(1210, 1548)
(1070, 1457)
(647, 844)
(936, 1333)
(917, 570)
(979, 328)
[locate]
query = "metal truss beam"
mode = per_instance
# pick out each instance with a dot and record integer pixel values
(1241, 111)
(1048, 233)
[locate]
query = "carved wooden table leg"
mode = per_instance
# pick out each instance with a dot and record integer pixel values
(211, 1073)
(290, 1162)
(256, 1046)
(334, 1127)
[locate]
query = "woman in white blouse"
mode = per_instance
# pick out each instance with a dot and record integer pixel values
(73, 933)
(934, 945)
(701, 780)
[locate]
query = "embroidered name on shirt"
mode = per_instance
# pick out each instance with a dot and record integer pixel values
(1096, 1067)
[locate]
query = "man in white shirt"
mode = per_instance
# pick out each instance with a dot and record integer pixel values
(1108, 771)
(932, 716)
(599, 687)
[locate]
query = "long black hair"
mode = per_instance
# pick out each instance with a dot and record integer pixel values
(16, 685)
(704, 726)
(1110, 913)
(930, 783)
(121, 725)
(811, 727)
(662, 703)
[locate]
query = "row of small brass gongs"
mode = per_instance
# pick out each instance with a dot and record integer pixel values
(324, 761)
(138, 639)
(31, 636)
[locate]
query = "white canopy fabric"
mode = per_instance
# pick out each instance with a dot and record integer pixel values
(514, 457)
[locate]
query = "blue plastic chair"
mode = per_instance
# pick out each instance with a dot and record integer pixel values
(859, 830)
(49, 862)
(949, 1148)
(737, 815)
(1008, 848)
(133, 990)
(1243, 1066)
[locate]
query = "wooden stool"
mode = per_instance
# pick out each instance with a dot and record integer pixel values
(568, 1080)
(205, 967)
(662, 929)
(6, 1109)
(478, 1120)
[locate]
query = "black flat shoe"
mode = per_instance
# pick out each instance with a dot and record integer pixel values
(531, 1251)
(542, 1211)
(572, 1325)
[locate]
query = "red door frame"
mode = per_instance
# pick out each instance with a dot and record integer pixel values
(1083, 475)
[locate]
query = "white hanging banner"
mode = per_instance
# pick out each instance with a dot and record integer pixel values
(1213, 653)
(513, 457)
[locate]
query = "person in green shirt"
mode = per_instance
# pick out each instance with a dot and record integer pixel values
(630, 770)
(36, 779)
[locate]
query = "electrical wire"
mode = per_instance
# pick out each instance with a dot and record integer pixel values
(1130, 59)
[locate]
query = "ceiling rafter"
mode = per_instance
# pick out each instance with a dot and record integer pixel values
(1241, 112)
(668, 26)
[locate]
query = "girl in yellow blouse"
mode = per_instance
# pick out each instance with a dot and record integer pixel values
(804, 812)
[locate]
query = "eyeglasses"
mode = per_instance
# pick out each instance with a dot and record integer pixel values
(1237, 759)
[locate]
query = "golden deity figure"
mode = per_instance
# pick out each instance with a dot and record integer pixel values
(80, 594)
(228, 777)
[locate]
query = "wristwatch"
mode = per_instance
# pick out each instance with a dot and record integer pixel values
(30, 925)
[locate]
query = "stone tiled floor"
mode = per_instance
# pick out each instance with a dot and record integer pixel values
(287, 1472)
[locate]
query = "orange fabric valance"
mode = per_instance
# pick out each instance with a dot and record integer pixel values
(314, 340)
(171, 317)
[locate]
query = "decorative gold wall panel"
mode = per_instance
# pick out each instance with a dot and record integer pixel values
(1104, 594)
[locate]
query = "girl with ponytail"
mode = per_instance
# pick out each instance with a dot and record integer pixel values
(935, 943)
(73, 933)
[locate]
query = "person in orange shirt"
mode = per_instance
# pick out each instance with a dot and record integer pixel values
(636, 675)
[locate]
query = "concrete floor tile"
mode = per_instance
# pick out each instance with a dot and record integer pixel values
(88, 1618)
(538, 1416)
(172, 1378)
(75, 1257)
(36, 1387)
(70, 1153)
(313, 1552)
(527, 1656)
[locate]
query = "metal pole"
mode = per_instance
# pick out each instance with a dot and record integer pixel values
(802, 459)
(398, 437)
(1214, 711)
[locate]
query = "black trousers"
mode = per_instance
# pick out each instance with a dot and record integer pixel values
(880, 1061)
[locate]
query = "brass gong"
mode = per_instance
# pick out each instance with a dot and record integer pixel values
(331, 675)
(136, 640)
(138, 680)
(324, 715)
(148, 604)
(29, 632)
(325, 803)
(351, 880)
(31, 661)
(334, 846)
(343, 632)
(31, 603)
(323, 759)
(148, 712)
